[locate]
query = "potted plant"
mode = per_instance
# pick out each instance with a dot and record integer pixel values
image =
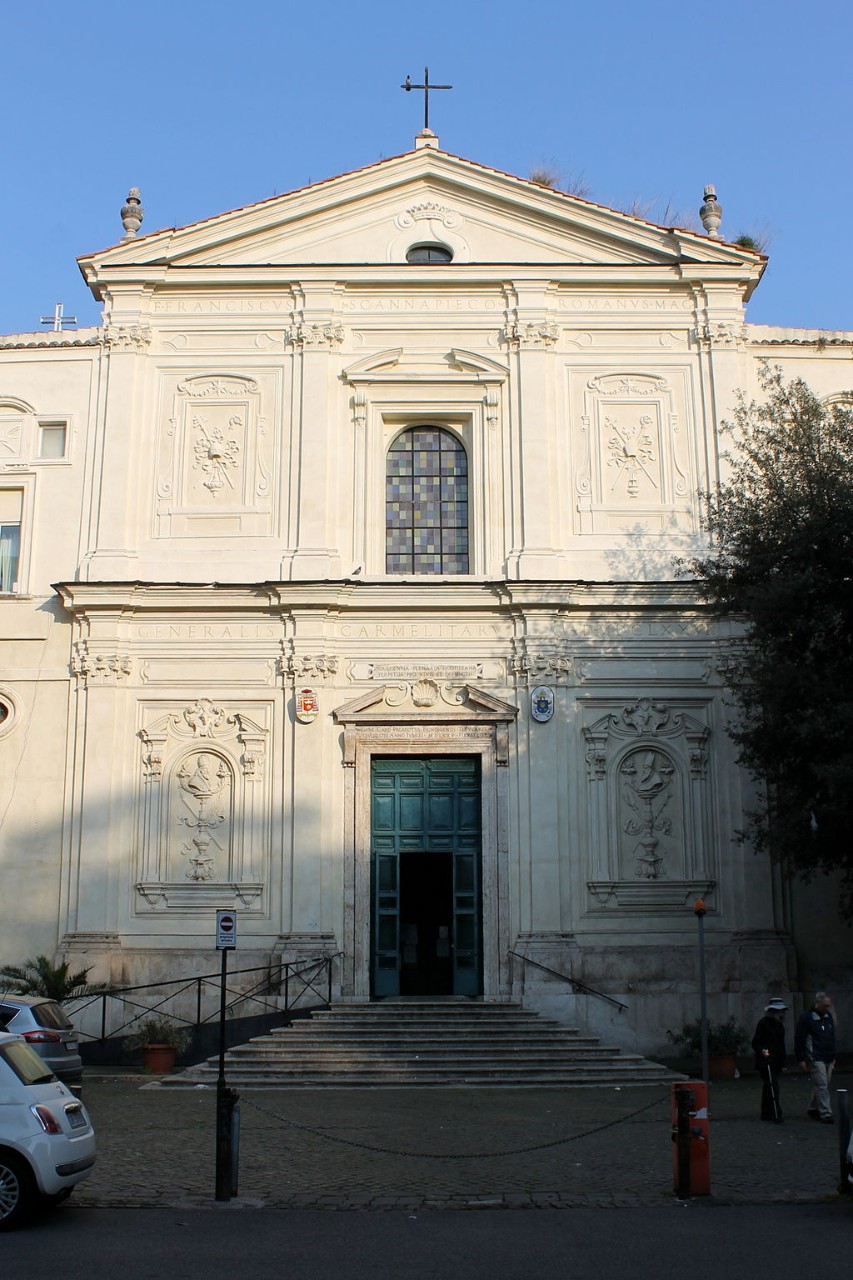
(725, 1041)
(160, 1039)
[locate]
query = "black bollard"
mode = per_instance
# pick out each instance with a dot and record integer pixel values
(844, 1187)
(235, 1147)
(226, 1174)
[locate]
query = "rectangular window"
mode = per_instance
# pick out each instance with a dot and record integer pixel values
(11, 504)
(52, 439)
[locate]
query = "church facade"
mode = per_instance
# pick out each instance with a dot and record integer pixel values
(338, 588)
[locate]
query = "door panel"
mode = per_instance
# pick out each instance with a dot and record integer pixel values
(426, 917)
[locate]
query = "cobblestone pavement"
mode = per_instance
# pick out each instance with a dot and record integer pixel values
(448, 1148)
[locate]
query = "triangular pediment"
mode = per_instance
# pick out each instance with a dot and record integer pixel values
(373, 216)
(425, 700)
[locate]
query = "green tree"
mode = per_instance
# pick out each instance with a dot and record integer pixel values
(782, 557)
(40, 977)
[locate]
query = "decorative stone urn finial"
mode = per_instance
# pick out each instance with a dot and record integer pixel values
(711, 213)
(132, 213)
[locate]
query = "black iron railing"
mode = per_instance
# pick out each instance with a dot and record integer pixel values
(573, 982)
(305, 984)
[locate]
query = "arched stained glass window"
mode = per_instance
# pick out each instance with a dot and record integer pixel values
(426, 503)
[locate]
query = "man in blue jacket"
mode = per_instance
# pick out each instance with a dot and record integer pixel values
(814, 1049)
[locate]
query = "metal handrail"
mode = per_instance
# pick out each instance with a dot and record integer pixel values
(283, 974)
(574, 983)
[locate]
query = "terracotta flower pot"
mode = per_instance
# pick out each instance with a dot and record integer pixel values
(722, 1066)
(159, 1059)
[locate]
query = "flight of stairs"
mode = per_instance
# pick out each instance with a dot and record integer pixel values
(424, 1044)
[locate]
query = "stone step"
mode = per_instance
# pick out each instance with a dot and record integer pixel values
(369, 1025)
(412, 1035)
(477, 1067)
(406, 1079)
(438, 1055)
(424, 1044)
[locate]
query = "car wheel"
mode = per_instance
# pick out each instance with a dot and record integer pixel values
(17, 1190)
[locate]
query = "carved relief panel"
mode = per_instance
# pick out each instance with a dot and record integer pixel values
(205, 813)
(215, 457)
(649, 809)
(634, 467)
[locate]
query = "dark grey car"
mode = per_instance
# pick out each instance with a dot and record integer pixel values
(46, 1027)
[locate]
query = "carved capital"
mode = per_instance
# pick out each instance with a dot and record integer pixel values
(722, 333)
(305, 666)
(551, 664)
(317, 336)
(127, 337)
(531, 335)
(98, 668)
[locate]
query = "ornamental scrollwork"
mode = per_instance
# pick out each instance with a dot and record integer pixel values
(427, 211)
(645, 716)
(631, 447)
(204, 781)
(647, 792)
(214, 454)
(203, 718)
(628, 384)
(223, 387)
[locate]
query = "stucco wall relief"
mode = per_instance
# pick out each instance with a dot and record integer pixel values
(215, 457)
(634, 468)
(650, 813)
(204, 808)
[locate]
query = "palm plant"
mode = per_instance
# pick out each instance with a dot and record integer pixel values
(40, 977)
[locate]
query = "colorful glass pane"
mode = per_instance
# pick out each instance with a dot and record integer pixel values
(426, 494)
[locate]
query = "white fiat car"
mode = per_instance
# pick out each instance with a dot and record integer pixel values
(47, 1143)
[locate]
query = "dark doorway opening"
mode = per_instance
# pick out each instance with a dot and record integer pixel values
(426, 923)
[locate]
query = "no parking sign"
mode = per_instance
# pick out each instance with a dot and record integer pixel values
(226, 930)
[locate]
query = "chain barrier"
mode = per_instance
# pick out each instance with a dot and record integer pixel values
(437, 1155)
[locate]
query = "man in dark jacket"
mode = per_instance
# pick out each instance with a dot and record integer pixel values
(768, 1045)
(814, 1049)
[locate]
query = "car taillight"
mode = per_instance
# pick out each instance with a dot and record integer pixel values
(42, 1037)
(46, 1118)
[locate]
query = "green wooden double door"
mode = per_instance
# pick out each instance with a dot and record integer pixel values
(426, 875)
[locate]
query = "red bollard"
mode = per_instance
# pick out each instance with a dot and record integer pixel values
(691, 1146)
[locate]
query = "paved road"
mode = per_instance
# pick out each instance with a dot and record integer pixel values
(703, 1241)
(416, 1149)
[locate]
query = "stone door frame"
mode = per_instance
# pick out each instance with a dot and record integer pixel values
(480, 727)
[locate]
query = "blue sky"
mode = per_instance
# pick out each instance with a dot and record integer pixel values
(207, 105)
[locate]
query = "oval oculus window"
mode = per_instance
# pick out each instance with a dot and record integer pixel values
(429, 253)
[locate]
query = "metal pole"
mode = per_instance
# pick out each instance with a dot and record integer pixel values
(224, 1104)
(844, 1187)
(699, 912)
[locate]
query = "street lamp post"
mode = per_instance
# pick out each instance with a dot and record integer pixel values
(699, 910)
